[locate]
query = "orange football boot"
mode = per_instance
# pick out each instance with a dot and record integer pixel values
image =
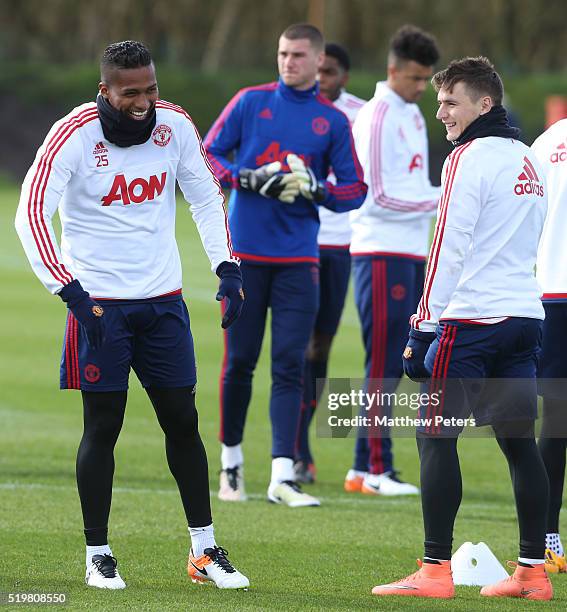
(430, 580)
(353, 482)
(525, 583)
(554, 563)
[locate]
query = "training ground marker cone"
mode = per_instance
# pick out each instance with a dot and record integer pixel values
(476, 565)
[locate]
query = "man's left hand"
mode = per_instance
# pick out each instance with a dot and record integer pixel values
(230, 287)
(413, 357)
(309, 186)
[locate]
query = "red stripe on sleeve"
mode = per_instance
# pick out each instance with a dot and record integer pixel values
(36, 199)
(423, 309)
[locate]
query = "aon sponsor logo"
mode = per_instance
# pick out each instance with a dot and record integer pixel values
(273, 153)
(137, 191)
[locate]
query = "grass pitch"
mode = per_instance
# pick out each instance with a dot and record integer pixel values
(325, 558)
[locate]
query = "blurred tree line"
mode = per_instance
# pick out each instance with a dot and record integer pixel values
(518, 35)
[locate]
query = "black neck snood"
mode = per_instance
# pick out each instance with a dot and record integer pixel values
(492, 123)
(120, 129)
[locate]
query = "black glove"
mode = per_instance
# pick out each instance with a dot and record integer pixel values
(309, 186)
(230, 287)
(87, 312)
(414, 355)
(265, 181)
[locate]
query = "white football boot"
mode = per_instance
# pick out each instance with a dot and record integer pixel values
(289, 493)
(387, 484)
(232, 485)
(102, 573)
(214, 566)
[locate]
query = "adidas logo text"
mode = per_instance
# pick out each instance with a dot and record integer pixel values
(99, 148)
(529, 181)
(528, 188)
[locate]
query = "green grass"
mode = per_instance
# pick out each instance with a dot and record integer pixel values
(311, 559)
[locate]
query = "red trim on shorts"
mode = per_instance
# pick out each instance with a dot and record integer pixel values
(554, 296)
(73, 370)
(68, 350)
(439, 375)
(344, 247)
(247, 257)
(421, 258)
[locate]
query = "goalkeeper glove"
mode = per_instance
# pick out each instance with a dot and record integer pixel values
(88, 313)
(265, 181)
(414, 355)
(230, 287)
(309, 186)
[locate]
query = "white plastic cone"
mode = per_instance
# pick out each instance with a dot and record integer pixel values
(476, 565)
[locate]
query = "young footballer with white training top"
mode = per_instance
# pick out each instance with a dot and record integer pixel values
(551, 150)
(110, 168)
(390, 235)
(480, 318)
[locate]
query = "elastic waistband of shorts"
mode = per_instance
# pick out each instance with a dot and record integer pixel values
(174, 296)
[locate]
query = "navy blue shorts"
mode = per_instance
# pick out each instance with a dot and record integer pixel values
(488, 371)
(334, 274)
(151, 336)
(553, 364)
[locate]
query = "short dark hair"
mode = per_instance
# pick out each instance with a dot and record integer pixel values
(478, 75)
(413, 44)
(339, 53)
(305, 30)
(124, 55)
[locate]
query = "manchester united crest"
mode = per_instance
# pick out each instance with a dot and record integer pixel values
(98, 311)
(320, 126)
(92, 373)
(162, 135)
(398, 292)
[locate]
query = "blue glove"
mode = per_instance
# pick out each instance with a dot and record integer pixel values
(414, 355)
(230, 287)
(87, 312)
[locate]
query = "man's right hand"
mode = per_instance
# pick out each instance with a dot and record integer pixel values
(413, 358)
(265, 181)
(87, 312)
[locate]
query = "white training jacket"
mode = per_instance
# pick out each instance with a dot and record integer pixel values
(391, 142)
(117, 206)
(551, 150)
(335, 227)
(489, 222)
